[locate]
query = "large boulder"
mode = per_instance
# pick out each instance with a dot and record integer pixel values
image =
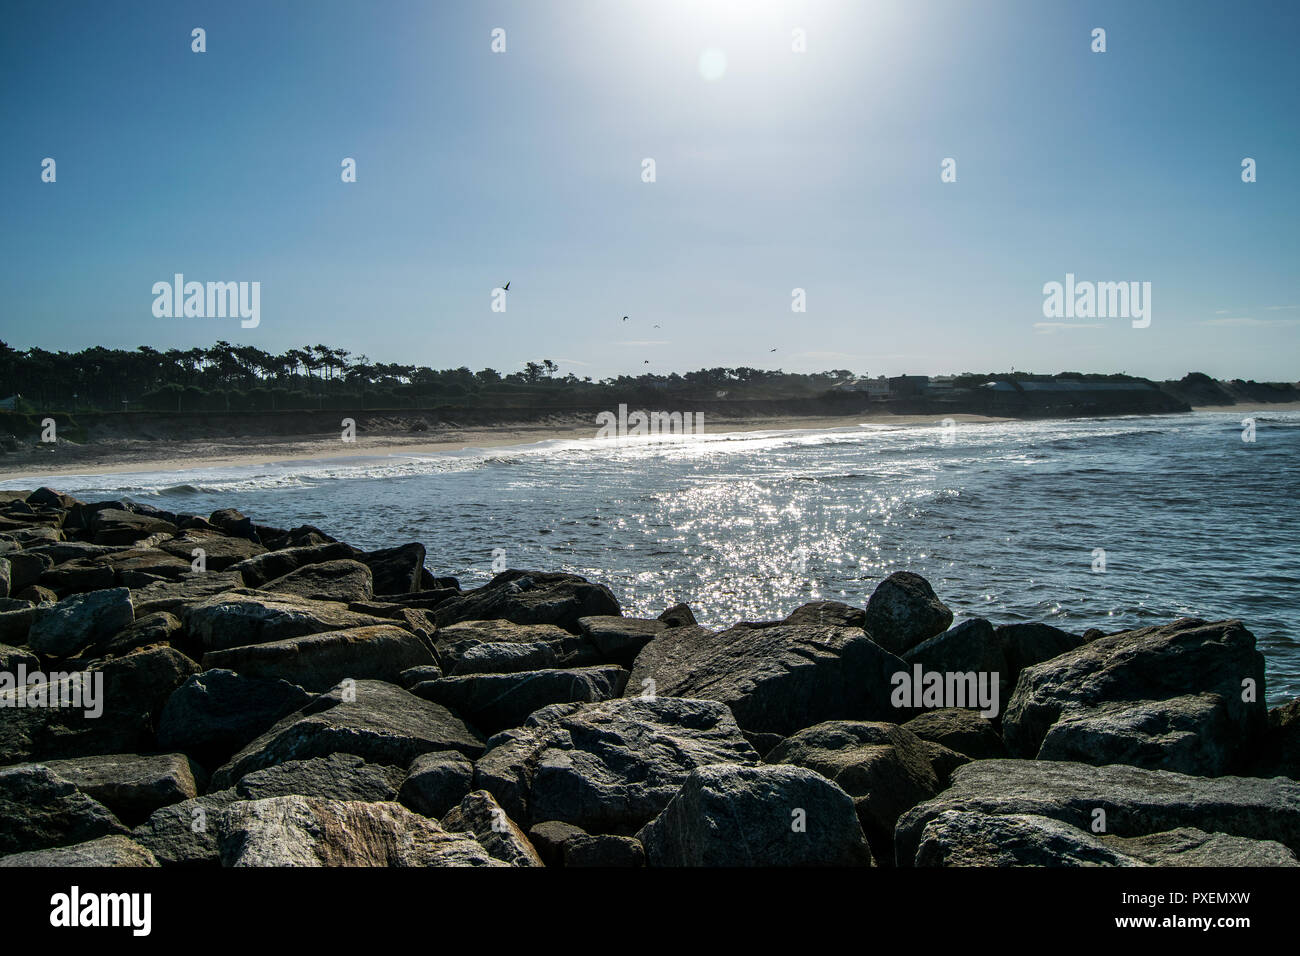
(305, 831)
(480, 815)
(835, 613)
(336, 777)
(114, 526)
(620, 639)
(495, 702)
(269, 565)
(728, 815)
(1188, 846)
(379, 722)
(395, 570)
(970, 838)
(531, 597)
(110, 708)
(185, 834)
(192, 588)
(1027, 644)
(904, 611)
(1187, 734)
(132, 786)
(436, 782)
(216, 712)
(1135, 802)
(1165, 663)
(116, 850)
(1279, 749)
(608, 767)
(77, 622)
(776, 679)
(885, 769)
(243, 617)
(40, 809)
(342, 580)
(970, 647)
(319, 661)
(219, 551)
(961, 730)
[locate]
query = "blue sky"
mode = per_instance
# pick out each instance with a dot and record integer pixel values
(817, 170)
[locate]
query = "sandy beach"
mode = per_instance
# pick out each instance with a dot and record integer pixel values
(127, 455)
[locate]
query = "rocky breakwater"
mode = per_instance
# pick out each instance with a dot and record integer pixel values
(183, 690)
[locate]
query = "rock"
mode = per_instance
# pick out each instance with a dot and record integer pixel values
(970, 838)
(77, 622)
(11, 658)
(1279, 749)
(319, 661)
(112, 526)
(436, 782)
(128, 692)
(106, 851)
(245, 617)
(4, 577)
(620, 639)
(679, 615)
(151, 561)
(1024, 645)
(480, 815)
(904, 611)
(381, 723)
(834, 613)
(35, 594)
(610, 766)
(763, 744)
(961, 730)
(1181, 659)
(884, 768)
(157, 627)
(970, 647)
(469, 657)
(304, 831)
(549, 838)
(40, 809)
(1187, 734)
(342, 580)
(395, 570)
(132, 786)
(776, 679)
(1136, 802)
(15, 625)
(270, 565)
(26, 568)
(216, 712)
(336, 777)
(531, 597)
(176, 596)
(1188, 846)
(219, 551)
(185, 834)
(78, 577)
(233, 524)
(417, 675)
(728, 815)
(603, 850)
(499, 701)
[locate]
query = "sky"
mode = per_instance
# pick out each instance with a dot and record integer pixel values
(775, 170)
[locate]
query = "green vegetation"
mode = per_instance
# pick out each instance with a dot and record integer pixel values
(226, 377)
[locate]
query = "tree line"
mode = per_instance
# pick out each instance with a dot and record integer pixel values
(226, 377)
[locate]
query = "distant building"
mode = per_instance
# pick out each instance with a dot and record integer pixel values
(940, 383)
(877, 387)
(908, 385)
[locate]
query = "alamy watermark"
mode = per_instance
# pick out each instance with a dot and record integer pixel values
(215, 300)
(1098, 300)
(644, 424)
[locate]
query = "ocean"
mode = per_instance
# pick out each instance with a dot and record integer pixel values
(1109, 523)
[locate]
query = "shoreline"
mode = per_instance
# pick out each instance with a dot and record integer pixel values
(126, 456)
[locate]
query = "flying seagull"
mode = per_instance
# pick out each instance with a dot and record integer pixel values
(506, 287)
(625, 318)
(646, 362)
(771, 350)
(656, 326)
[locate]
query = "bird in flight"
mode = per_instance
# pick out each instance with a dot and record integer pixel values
(506, 287)
(646, 362)
(771, 350)
(656, 326)
(625, 318)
